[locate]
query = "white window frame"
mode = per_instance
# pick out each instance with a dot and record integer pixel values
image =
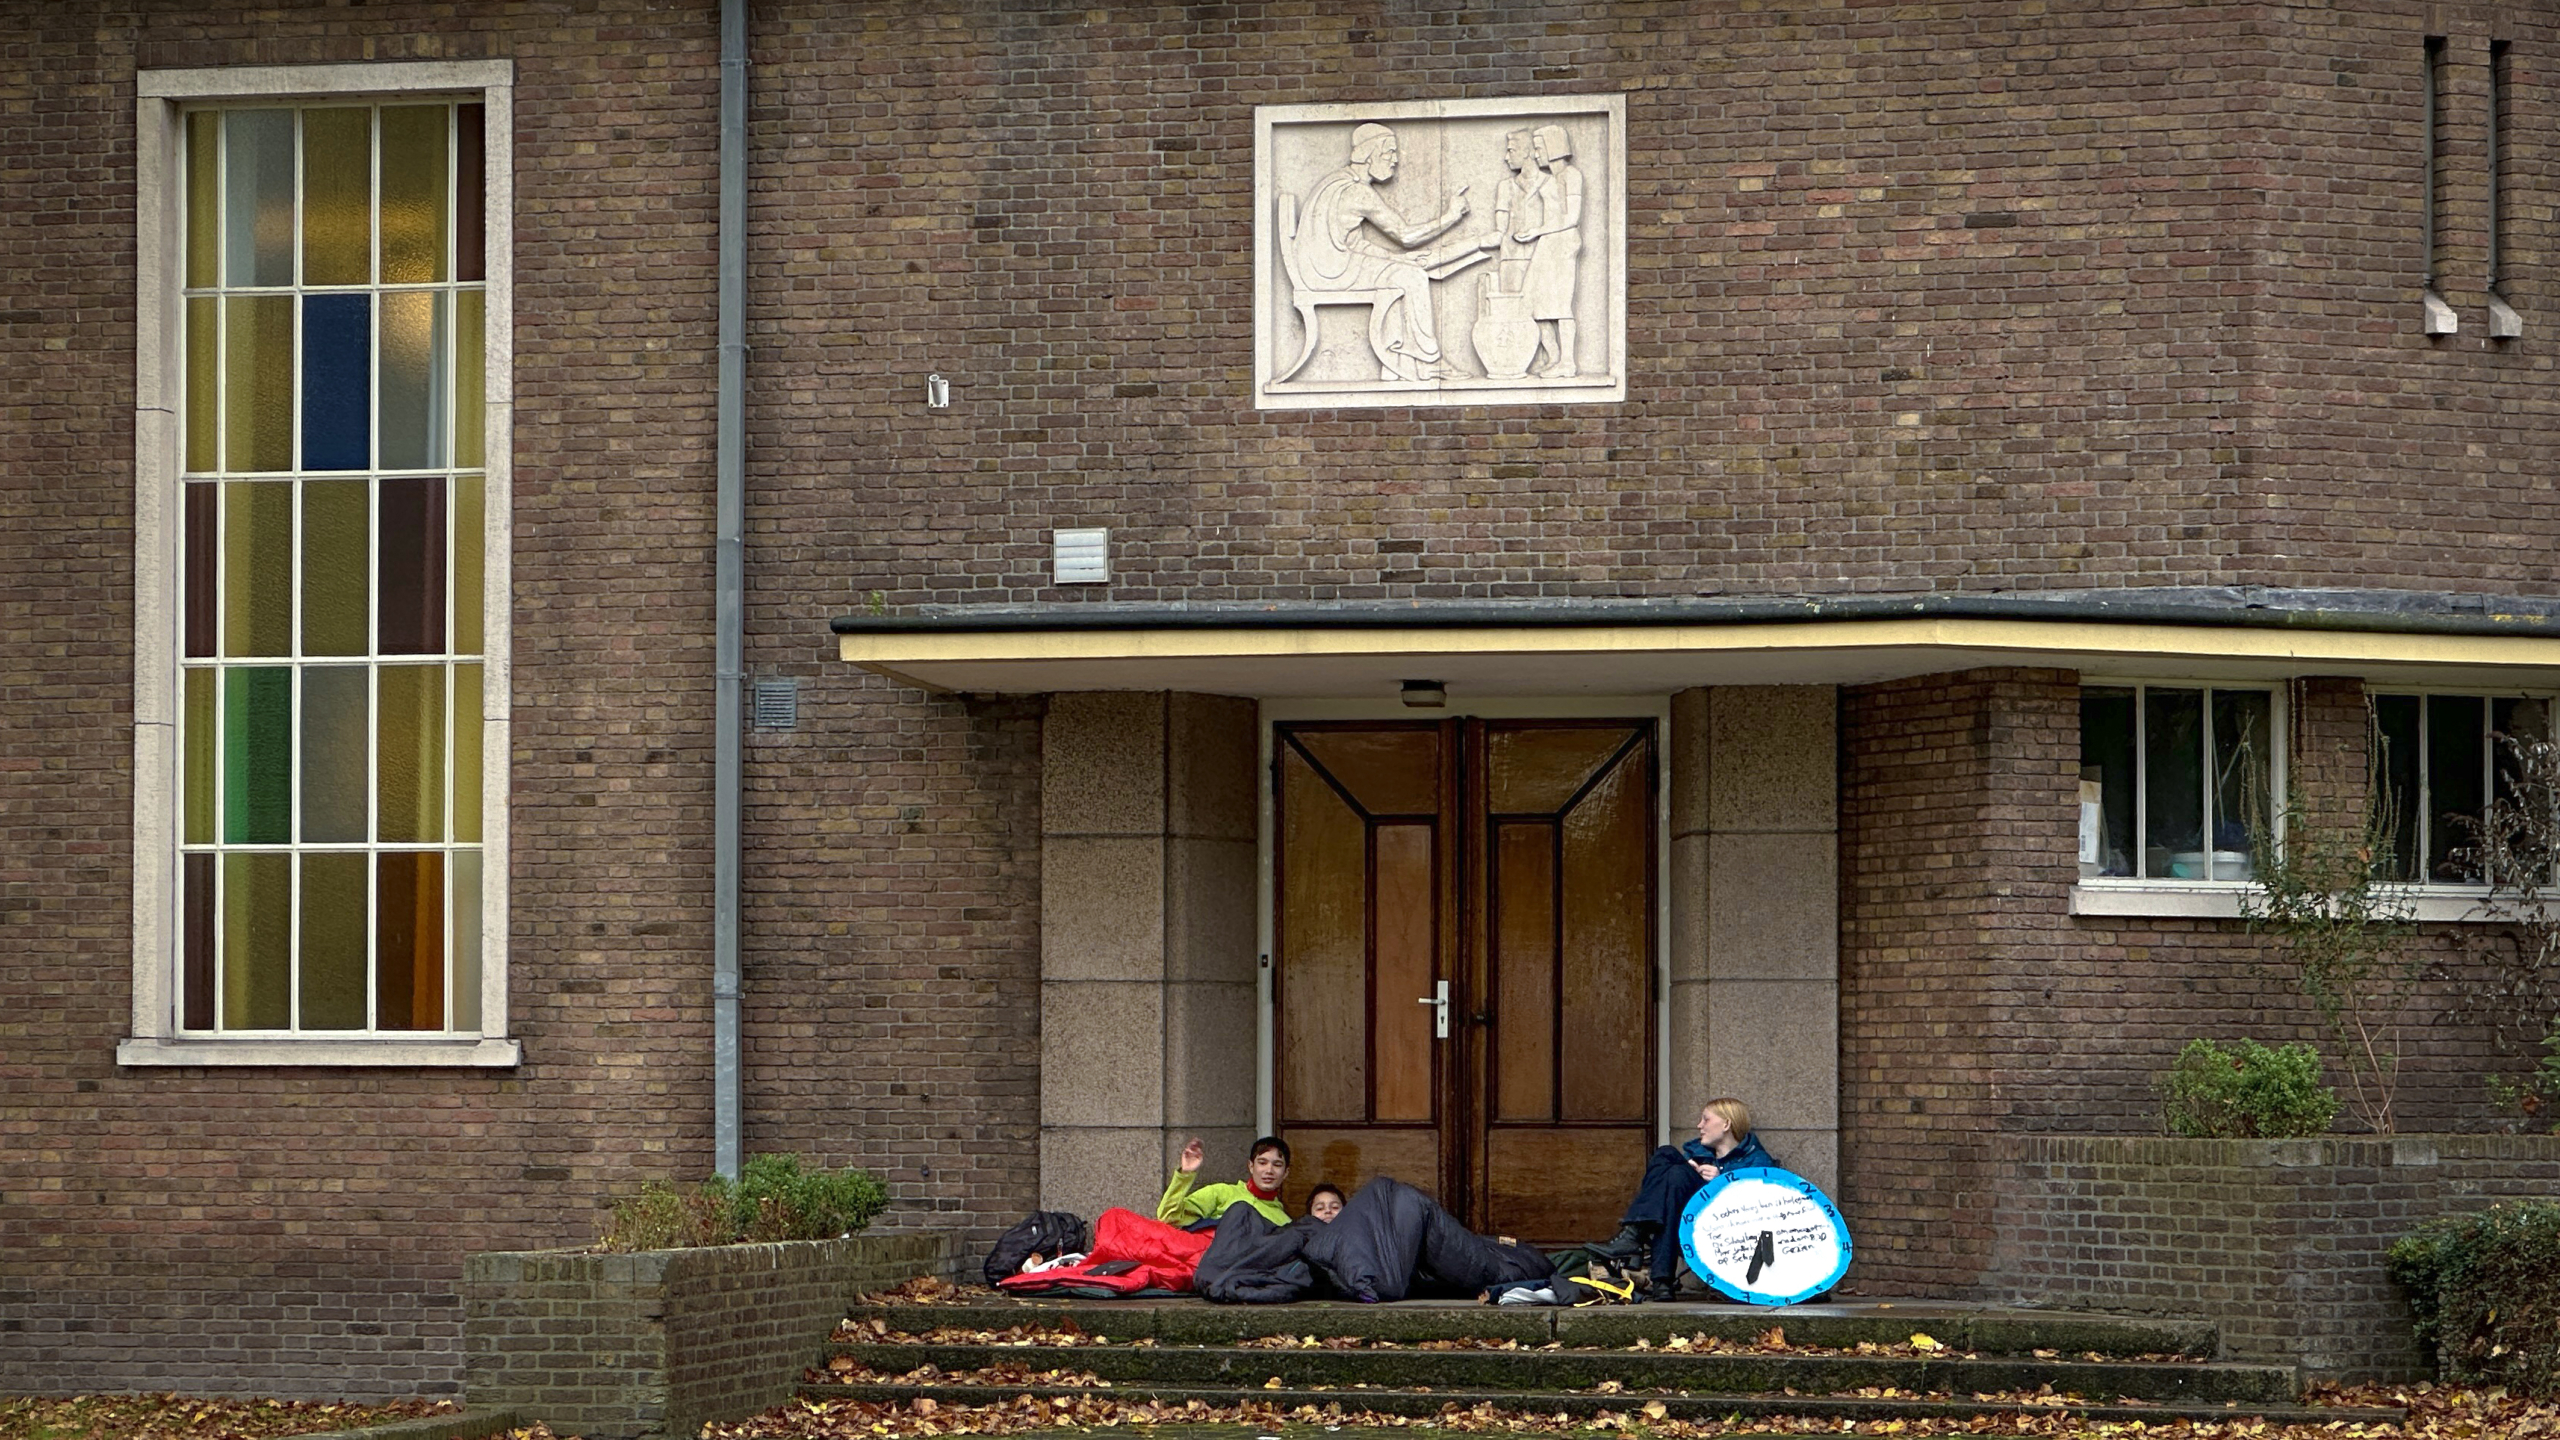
(2165, 896)
(159, 529)
(2470, 891)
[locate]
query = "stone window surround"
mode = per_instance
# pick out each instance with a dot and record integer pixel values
(160, 96)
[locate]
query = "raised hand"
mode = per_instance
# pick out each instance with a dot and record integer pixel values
(1191, 1154)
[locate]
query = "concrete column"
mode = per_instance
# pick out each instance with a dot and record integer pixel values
(1146, 949)
(1755, 914)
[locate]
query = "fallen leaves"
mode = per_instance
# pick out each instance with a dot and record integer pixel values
(192, 1417)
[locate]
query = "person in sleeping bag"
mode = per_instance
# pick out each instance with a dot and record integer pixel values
(1650, 1228)
(1324, 1202)
(1264, 1170)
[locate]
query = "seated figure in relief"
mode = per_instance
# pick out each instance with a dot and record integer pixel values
(1339, 248)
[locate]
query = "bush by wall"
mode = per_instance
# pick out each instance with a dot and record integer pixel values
(2484, 1291)
(773, 1199)
(2246, 1092)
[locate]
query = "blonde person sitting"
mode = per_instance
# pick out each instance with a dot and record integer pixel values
(1265, 1168)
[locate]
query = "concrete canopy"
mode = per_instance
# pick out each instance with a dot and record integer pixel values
(1564, 648)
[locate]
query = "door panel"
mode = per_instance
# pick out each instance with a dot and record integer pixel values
(1408, 964)
(1323, 910)
(1515, 861)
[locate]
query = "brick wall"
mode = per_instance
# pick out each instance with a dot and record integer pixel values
(2280, 1242)
(656, 1343)
(1918, 300)
(1975, 1007)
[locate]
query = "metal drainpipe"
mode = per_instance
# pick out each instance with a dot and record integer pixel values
(731, 578)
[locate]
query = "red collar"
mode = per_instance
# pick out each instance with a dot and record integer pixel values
(1257, 1192)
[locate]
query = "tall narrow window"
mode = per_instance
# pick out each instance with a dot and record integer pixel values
(2438, 313)
(329, 717)
(2504, 323)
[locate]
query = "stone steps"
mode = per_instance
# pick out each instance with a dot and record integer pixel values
(1557, 1371)
(1419, 1359)
(1976, 1329)
(1424, 1403)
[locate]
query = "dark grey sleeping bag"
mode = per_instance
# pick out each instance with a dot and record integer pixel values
(1391, 1241)
(1251, 1261)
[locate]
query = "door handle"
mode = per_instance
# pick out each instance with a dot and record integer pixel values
(1438, 1000)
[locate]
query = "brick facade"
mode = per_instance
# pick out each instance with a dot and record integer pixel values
(2279, 1242)
(618, 1346)
(1917, 301)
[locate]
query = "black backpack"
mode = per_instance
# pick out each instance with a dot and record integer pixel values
(1045, 1233)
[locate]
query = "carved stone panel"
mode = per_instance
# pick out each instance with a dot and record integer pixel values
(1451, 252)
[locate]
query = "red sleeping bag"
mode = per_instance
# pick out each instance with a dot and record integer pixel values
(1131, 1255)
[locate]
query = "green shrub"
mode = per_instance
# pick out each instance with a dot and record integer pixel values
(2484, 1290)
(2246, 1092)
(773, 1198)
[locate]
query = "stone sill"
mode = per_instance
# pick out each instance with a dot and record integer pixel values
(484, 1053)
(2220, 900)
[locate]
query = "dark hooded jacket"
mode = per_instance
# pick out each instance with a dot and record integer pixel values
(1746, 1154)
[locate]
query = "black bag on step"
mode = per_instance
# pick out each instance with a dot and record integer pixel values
(1045, 1233)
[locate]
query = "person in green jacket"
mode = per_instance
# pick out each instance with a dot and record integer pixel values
(1263, 1172)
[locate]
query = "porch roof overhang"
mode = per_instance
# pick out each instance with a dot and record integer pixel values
(1564, 647)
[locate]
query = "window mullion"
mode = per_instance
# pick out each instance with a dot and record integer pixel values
(2142, 782)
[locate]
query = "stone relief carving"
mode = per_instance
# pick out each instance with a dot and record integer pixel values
(1380, 278)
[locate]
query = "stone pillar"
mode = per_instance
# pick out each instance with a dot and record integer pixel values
(1146, 942)
(1755, 914)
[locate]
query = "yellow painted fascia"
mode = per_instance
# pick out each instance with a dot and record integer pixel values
(2348, 649)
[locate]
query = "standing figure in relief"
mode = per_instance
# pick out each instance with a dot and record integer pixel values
(1515, 207)
(1336, 252)
(1558, 238)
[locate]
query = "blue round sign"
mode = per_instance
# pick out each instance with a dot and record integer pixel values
(1765, 1236)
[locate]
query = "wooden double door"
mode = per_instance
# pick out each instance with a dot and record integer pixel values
(1463, 963)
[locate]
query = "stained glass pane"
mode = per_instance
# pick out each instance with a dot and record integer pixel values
(337, 361)
(204, 526)
(204, 384)
(259, 197)
(470, 200)
(333, 931)
(257, 401)
(409, 753)
(408, 941)
(257, 758)
(199, 763)
(204, 206)
(336, 556)
(411, 567)
(195, 919)
(333, 743)
(337, 197)
(466, 753)
(414, 380)
(257, 567)
(257, 942)
(413, 193)
(470, 518)
(466, 940)
(469, 418)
